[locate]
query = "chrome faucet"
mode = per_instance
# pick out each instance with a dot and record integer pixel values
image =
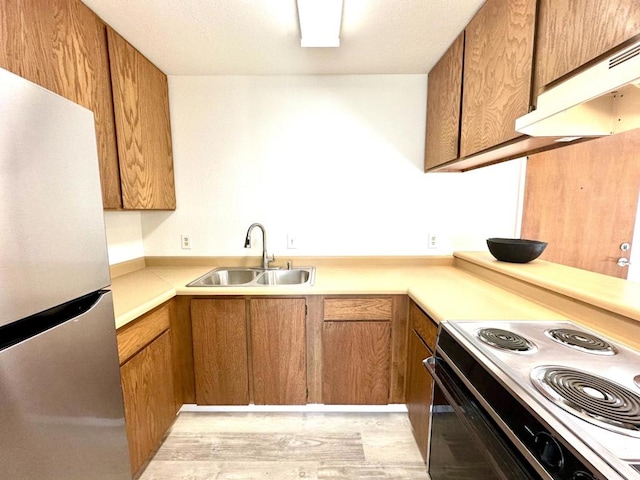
(266, 259)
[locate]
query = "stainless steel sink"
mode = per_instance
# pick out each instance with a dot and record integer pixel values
(221, 277)
(255, 277)
(298, 276)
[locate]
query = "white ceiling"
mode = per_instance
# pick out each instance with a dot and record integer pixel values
(262, 37)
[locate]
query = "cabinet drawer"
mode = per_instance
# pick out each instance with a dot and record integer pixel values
(346, 309)
(424, 325)
(135, 336)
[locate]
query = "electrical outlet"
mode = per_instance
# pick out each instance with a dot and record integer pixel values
(434, 241)
(185, 241)
(292, 241)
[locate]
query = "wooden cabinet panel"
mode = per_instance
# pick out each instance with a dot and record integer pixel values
(141, 104)
(27, 31)
(83, 68)
(220, 351)
(135, 336)
(399, 325)
(426, 328)
(354, 309)
(498, 57)
(356, 359)
(278, 349)
(444, 98)
(419, 392)
(182, 349)
(571, 33)
(423, 332)
(61, 45)
(147, 386)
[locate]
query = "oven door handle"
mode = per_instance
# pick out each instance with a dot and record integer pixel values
(477, 423)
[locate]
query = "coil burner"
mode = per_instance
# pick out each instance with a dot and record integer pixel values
(582, 341)
(590, 397)
(505, 340)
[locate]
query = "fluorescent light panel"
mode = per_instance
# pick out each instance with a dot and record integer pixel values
(320, 22)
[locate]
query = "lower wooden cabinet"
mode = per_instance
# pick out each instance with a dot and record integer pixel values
(278, 351)
(149, 405)
(146, 370)
(419, 387)
(356, 363)
(220, 354)
(356, 350)
(269, 351)
(250, 349)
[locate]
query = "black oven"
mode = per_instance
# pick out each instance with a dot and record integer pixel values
(480, 431)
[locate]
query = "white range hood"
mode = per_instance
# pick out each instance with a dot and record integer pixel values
(601, 100)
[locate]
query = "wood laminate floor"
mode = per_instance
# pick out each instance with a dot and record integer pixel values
(283, 446)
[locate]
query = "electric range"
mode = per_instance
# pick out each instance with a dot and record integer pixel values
(578, 391)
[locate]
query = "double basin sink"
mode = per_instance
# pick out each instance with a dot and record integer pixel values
(255, 277)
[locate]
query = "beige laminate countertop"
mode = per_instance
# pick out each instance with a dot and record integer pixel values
(444, 292)
(602, 291)
(473, 286)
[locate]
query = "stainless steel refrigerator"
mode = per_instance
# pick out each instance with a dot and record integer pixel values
(61, 409)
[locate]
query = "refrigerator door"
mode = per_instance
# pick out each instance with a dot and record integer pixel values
(61, 406)
(53, 238)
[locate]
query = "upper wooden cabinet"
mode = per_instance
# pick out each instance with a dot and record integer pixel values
(498, 59)
(141, 104)
(61, 45)
(573, 33)
(501, 78)
(444, 97)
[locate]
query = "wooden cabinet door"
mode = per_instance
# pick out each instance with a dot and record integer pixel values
(278, 350)
(141, 104)
(356, 363)
(419, 392)
(149, 404)
(498, 58)
(571, 33)
(27, 32)
(444, 97)
(220, 351)
(82, 61)
(62, 46)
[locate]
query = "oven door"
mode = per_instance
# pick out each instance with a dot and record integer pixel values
(465, 443)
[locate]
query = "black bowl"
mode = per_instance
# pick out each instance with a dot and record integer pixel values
(514, 250)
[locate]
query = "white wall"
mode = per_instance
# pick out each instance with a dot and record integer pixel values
(124, 236)
(334, 160)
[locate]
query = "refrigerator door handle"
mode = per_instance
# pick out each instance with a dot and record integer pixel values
(29, 327)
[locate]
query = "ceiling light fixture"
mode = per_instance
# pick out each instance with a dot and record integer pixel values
(320, 22)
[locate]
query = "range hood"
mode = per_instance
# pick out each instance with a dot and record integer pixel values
(601, 100)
